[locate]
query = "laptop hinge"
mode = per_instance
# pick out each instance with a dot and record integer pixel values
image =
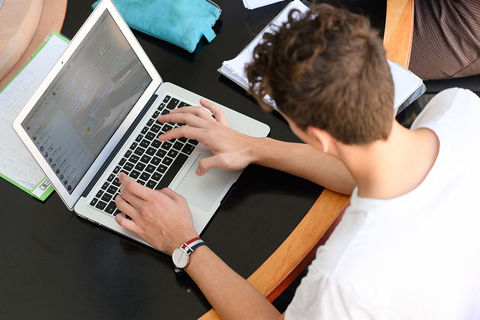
(120, 144)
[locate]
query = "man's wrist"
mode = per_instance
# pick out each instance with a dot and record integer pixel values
(257, 150)
(181, 255)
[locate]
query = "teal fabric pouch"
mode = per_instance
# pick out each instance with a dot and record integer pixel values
(181, 22)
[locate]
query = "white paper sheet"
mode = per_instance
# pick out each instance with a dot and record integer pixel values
(16, 163)
(253, 4)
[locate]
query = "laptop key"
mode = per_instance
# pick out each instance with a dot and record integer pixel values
(182, 104)
(177, 145)
(134, 145)
(93, 202)
(150, 122)
(141, 182)
(162, 168)
(151, 184)
(161, 153)
(111, 177)
(139, 151)
(100, 205)
(121, 163)
(155, 115)
(167, 127)
(134, 174)
(106, 197)
(167, 97)
(111, 207)
(188, 148)
(155, 161)
(112, 189)
(172, 104)
(128, 166)
(105, 185)
(172, 171)
(155, 128)
(144, 130)
(128, 153)
(116, 182)
(139, 138)
(156, 176)
(140, 166)
(150, 136)
(134, 158)
(194, 142)
(156, 143)
(151, 151)
(145, 143)
(172, 153)
(146, 159)
(150, 168)
(116, 170)
(166, 145)
(144, 176)
(167, 160)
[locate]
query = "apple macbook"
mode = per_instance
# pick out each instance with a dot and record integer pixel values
(95, 115)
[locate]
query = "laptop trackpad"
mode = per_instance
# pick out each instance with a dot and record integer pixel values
(203, 191)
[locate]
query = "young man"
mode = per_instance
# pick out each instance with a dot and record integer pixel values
(408, 247)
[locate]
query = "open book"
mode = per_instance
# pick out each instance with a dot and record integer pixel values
(408, 86)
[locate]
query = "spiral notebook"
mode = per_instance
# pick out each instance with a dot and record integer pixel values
(17, 166)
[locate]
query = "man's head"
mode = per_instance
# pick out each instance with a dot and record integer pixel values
(327, 69)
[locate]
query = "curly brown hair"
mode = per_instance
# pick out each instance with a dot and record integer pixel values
(327, 68)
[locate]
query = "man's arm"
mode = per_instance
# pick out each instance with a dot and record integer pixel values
(233, 150)
(231, 296)
(163, 219)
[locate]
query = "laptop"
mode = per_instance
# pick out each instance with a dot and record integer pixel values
(95, 115)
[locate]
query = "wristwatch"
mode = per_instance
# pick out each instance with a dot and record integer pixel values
(181, 255)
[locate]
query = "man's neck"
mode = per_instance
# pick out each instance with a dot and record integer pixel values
(388, 169)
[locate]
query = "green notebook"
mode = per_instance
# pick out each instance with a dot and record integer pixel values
(17, 166)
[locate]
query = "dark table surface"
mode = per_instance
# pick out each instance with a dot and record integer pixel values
(54, 265)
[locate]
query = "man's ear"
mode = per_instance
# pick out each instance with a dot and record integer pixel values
(322, 138)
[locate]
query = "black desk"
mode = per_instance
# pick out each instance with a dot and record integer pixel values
(54, 265)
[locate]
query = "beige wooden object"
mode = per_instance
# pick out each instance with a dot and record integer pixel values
(18, 23)
(51, 14)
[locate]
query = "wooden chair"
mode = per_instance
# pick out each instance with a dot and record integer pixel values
(298, 250)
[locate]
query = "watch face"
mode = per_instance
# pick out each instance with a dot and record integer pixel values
(180, 258)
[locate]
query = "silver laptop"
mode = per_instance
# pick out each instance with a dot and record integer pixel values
(95, 114)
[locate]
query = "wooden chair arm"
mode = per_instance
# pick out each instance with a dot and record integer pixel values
(398, 35)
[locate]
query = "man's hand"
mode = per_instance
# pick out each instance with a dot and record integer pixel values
(162, 218)
(231, 150)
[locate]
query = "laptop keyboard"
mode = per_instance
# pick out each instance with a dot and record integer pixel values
(149, 161)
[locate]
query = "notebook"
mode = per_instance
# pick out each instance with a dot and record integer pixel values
(407, 86)
(94, 115)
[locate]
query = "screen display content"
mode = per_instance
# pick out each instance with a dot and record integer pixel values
(87, 101)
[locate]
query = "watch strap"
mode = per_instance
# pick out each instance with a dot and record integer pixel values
(189, 247)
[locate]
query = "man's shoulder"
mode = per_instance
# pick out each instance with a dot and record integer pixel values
(448, 104)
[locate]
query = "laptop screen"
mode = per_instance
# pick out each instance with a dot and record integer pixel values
(87, 101)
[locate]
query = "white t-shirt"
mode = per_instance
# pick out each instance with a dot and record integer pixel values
(416, 256)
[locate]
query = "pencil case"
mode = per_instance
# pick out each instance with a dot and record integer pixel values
(181, 22)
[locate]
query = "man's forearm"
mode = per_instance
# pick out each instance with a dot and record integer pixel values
(302, 160)
(231, 296)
